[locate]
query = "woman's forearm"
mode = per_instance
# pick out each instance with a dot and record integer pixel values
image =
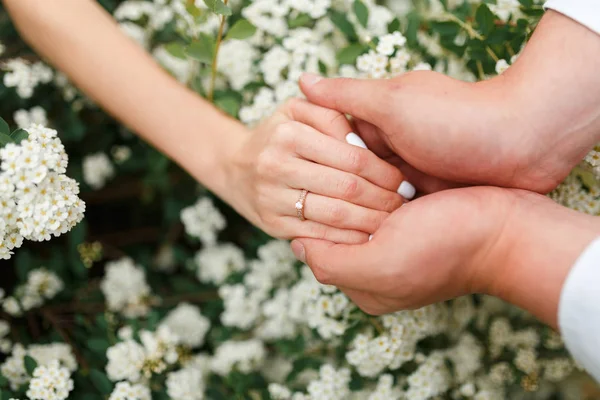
(81, 39)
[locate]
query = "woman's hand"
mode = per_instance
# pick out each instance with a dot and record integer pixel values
(302, 146)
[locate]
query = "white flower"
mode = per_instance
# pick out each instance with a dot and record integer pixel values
(501, 66)
(236, 58)
(245, 356)
(36, 115)
(505, 8)
(185, 384)
(13, 367)
(186, 322)
(50, 382)
(37, 201)
(25, 76)
(216, 263)
(125, 288)
(97, 170)
(128, 391)
(125, 361)
(203, 220)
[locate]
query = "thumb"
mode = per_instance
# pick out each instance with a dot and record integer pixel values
(366, 99)
(348, 266)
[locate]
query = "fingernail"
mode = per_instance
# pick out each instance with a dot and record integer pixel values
(310, 79)
(370, 237)
(407, 190)
(298, 250)
(355, 140)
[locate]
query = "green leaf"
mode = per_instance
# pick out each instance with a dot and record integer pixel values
(340, 20)
(348, 55)
(5, 139)
(445, 28)
(242, 29)
(202, 49)
(485, 19)
(4, 128)
(218, 7)
(362, 12)
(394, 25)
(300, 20)
(101, 381)
(30, 364)
(526, 3)
(19, 135)
(176, 49)
(231, 105)
(98, 345)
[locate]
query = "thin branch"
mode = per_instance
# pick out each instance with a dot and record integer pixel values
(213, 77)
(51, 318)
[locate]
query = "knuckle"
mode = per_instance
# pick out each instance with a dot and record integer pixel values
(292, 105)
(319, 231)
(266, 162)
(349, 188)
(285, 133)
(391, 202)
(337, 214)
(357, 160)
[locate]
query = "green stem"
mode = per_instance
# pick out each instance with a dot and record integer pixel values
(213, 77)
(473, 34)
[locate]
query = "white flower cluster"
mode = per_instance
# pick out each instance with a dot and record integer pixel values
(128, 391)
(186, 384)
(25, 77)
(389, 59)
(37, 199)
(203, 221)
(216, 263)
(5, 343)
(35, 116)
(135, 362)
(13, 368)
(188, 324)
(332, 384)
(97, 170)
(41, 285)
(244, 356)
(398, 343)
(506, 9)
(50, 382)
(125, 288)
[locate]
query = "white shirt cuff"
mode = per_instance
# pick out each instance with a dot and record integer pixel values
(579, 310)
(586, 12)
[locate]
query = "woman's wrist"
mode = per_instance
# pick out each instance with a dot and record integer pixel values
(532, 257)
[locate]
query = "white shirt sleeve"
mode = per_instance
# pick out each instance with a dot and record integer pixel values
(579, 310)
(586, 12)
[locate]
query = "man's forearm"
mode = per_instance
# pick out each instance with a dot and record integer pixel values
(81, 39)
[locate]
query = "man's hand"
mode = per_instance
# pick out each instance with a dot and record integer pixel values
(524, 129)
(510, 243)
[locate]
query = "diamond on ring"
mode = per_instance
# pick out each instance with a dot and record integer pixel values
(300, 205)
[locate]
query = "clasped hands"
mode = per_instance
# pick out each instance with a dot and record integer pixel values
(481, 155)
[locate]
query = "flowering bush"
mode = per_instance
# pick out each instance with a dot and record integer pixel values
(180, 298)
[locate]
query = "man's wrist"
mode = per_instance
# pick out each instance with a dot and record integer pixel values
(539, 246)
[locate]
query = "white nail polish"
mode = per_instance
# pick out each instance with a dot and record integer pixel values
(370, 237)
(355, 140)
(407, 190)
